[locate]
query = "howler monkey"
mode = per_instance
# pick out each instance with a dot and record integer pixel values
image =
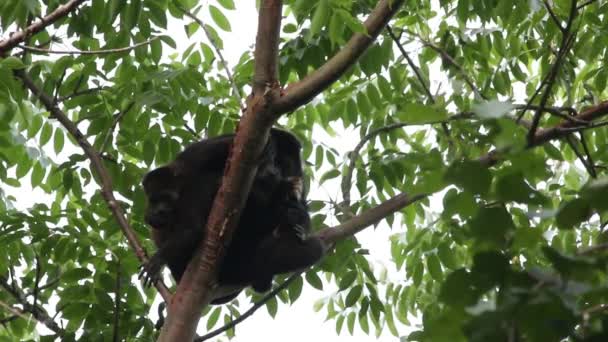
(272, 235)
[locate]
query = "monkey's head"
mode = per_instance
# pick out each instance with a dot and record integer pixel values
(162, 191)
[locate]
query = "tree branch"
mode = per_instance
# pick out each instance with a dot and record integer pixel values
(19, 37)
(304, 91)
(368, 218)
(97, 165)
(193, 291)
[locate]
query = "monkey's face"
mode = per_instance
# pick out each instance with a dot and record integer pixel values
(162, 191)
(160, 212)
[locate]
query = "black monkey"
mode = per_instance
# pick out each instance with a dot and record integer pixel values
(272, 234)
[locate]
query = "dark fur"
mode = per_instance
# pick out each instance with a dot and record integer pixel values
(272, 234)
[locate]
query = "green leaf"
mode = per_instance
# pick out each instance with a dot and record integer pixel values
(458, 290)
(513, 187)
(353, 296)
(227, 4)
(319, 18)
(434, 267)
(58, 140)
(573, 213)
(416, 113)
(492, 225)
(220, 20)
(470, 175)
(75, 274)
(347, 280)
(12, 63)
(213, 318)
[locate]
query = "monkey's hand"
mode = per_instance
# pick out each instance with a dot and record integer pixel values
(149, 272)
(297, 219)
(296, 187)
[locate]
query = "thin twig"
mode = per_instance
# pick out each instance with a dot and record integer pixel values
(572, 143)
(590, 161)
(37, 311)
(556, 111)
(218, 51)
(34, 49)
(115, 122)
(251, 310)
(450, 60)
(81, 92)
(410, 62)
(115, 335)
(37, 280)
(581, 6)
(554, 17)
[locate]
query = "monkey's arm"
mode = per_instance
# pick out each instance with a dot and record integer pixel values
(175, 251)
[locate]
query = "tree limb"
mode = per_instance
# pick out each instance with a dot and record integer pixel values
(193, 291)
(19, 37)
(302, 92)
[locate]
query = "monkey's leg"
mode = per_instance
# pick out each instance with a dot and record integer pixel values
(283, 253)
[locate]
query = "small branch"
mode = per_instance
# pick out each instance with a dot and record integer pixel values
(411, 64)
(216, 47)
(37, 311)
(37, 280)
(556, 111)
(34, 49)
(590, 161)
(251, 310)
(19, 37)
(302, 92)
(116, 337)
(81, 92)
(368, 218)
(572, 143)
(117, 119)
(450, 60)
(420, 78)
(583, 5)
(567, 40)
(97, 165)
